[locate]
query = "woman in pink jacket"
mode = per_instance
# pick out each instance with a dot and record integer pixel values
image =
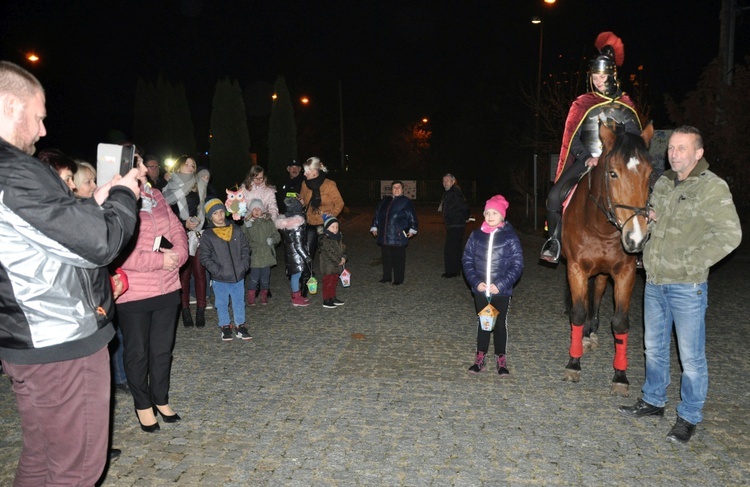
(148, 311)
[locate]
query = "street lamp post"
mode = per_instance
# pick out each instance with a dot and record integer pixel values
(537, 108)
(538, 103)
(341, 128)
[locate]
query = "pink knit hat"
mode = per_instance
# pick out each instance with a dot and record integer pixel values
(497, 203)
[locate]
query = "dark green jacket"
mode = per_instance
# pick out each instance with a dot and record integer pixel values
(696, 226)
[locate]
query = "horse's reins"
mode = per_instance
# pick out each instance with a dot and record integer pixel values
(609, 211)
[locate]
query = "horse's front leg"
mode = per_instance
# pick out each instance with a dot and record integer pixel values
(620, 326)
(578, 282)
(590, 336)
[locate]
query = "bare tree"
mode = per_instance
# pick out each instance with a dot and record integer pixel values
(721, 113)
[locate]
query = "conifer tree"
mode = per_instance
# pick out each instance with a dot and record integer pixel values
(162, 123)
(282, 132)
(230, 142)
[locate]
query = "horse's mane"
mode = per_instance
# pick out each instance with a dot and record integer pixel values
(631, 145)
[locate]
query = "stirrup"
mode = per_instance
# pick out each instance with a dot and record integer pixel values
(547, 255)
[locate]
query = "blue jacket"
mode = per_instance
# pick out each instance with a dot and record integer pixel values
(393, 217)
(505, 259)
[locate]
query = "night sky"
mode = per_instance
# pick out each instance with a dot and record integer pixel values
(396, 60)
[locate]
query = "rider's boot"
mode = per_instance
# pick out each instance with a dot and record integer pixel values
(551, 248)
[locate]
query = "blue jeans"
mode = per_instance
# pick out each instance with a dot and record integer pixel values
(223, 291)
(685, 305)
(294, 281)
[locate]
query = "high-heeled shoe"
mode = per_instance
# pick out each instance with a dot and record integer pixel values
(167, 419)
(151, 428)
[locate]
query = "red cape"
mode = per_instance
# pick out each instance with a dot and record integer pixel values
(577, 114)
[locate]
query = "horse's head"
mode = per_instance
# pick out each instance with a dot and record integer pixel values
(626, 169)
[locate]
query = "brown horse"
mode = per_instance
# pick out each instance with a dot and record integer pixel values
(603, 228)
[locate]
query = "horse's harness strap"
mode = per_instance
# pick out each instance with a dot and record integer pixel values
(609, 211)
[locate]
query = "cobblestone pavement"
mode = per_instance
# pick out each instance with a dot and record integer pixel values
(376, 392)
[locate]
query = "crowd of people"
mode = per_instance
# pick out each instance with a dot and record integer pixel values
(145, 244)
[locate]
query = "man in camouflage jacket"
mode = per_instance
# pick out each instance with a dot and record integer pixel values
(694, 224)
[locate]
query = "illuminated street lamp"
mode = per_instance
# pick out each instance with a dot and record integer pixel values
(32, 57)
(304, 100)
(538, 103)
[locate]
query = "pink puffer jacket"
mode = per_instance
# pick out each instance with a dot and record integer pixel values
(267, 194)
(143, 266)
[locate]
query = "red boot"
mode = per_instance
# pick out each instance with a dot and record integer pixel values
(264, 296)
(251, 297)
(298, 300)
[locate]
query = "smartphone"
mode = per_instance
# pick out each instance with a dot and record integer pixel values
(161, 242)
(112, 159)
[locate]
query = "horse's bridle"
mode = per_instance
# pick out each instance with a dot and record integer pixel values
(609, 210)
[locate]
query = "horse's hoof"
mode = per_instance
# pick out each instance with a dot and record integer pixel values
(619, 389)
(594, 341)
(587, 345)
(572, 375)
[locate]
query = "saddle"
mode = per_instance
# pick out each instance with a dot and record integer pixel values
(569, 192)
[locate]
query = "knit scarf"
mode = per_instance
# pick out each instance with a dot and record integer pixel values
(488, 229)
(224, 233)
(333, 236)
(177, 188)
(315, 184)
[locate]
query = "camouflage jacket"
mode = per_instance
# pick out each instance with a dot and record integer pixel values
(696, 226)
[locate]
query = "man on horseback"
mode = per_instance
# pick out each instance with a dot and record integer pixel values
(581, 147)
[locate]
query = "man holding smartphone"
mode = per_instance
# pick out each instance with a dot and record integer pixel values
(57, 303)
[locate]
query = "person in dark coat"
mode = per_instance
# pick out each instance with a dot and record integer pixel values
(395, 222)
(293, 184)
(332, 259)
(492, 263)
(294, 234)
(455, 213)
(225, 253)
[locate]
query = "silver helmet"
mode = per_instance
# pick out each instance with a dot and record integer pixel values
(611, 55)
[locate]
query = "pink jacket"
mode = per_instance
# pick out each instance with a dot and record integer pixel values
(267, 194)
(143, 266)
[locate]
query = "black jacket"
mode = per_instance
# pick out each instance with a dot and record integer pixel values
(55, 294)
(294, 233)
(454, 206)
(225, 261)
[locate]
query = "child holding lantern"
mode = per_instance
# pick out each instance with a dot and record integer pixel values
(492, 264)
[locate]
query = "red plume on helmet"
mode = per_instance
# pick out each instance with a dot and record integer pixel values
(610, 39)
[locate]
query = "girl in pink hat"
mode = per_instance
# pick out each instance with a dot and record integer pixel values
(492, 264)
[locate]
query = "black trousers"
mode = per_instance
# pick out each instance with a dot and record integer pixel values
(312, 248)
(557, 194)
(454, 249)
(501, 304)
(394, 263)
(148, 338)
